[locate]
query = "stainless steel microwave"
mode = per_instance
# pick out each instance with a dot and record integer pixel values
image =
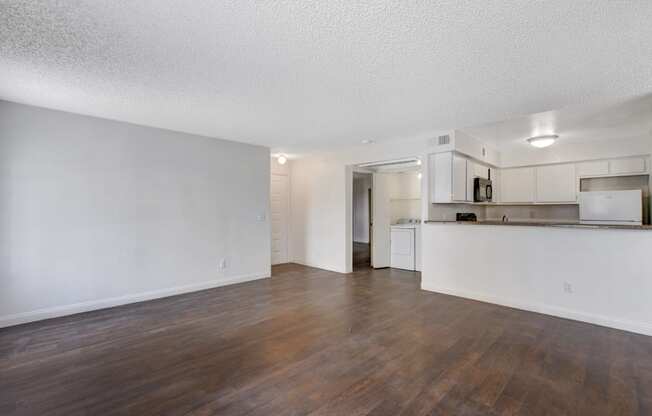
(482, 190)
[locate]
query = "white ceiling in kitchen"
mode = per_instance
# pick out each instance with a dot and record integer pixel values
(625, 119)
(304, 75)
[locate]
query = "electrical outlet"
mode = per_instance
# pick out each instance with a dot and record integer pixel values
(222, 265)
(568, 288)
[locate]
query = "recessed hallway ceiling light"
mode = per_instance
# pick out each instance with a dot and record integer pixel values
(543, 141)
(282, 159)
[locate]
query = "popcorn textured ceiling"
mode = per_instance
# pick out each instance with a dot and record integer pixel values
(304, 75)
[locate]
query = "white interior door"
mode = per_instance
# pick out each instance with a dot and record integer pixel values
(380, 237)
(280, 200)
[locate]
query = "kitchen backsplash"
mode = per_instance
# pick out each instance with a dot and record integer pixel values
(447, 212)
(563, 213)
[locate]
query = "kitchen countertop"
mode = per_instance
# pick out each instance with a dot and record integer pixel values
(545, 224)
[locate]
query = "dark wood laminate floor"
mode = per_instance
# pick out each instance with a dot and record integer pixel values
(313, 342)
(361, 255)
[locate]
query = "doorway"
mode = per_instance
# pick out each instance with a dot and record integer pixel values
(280, 217)
(385, 198)
(362, 219)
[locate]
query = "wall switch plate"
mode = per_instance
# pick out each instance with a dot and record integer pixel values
(568, 288)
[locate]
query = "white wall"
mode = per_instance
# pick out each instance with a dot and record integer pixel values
(527, 267)
(279, 169)
(404, 208)
(405, 196)
(318, 223)
(361, 186)
(95, 213)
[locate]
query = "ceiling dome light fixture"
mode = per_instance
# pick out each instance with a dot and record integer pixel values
(368, 141)
(543, 141)
(281, 159)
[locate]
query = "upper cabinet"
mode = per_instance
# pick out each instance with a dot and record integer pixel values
(556, 184)
(517, 185)
(544, 184)
(459, 178)
(448, 178)
(453, 176)
(624, 166)
(480, 171)
(593, 168)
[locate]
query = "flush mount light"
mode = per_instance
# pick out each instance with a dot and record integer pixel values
(543, 141)
(281, 159)
(367, 141)
(419, 175)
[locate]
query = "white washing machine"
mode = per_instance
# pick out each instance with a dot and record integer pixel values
(405, 246)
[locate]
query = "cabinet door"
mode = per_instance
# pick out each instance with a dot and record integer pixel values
(556, 183)
(470, 175)
(480, 171)
(441, 179)
(596, 168)
(459, 178)
(630, 165)
(517, 185)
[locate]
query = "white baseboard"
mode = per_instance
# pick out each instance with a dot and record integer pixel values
(64, 310)
(631, 326)
(319, 266)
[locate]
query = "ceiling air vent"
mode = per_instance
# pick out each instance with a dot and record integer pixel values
(442, 140)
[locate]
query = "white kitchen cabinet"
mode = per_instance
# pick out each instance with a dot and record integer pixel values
(441, 177)
(459, 178)
(593, 168)
(517, 185)
(474, 170)
(448, 178)
(629, 165)
(480, 171)
(556, 184)
(470, 174)
(624, 166)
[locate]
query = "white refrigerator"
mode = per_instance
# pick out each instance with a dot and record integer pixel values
(611, 207)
